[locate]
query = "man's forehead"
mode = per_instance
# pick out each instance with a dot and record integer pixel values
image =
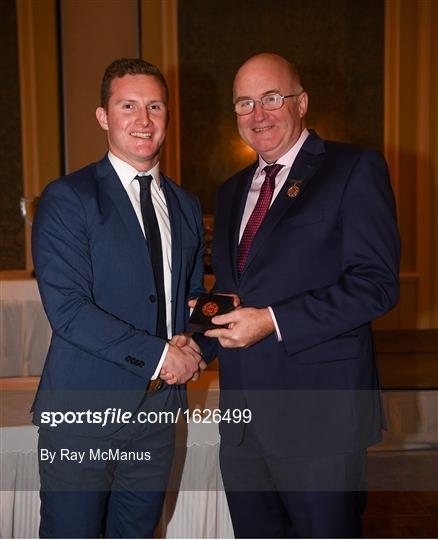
(259, 85)
(137, 79)
(262, 76)
(137, 84)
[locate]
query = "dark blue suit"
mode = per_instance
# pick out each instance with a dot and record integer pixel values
(326, 261)
(97, 286)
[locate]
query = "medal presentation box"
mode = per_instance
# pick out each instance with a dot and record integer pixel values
(207, 307)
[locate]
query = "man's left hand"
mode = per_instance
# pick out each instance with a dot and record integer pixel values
(246, 326)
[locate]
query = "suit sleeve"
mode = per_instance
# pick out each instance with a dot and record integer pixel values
(207, 345)
(368, 285)
(196, 284)
(63, 266)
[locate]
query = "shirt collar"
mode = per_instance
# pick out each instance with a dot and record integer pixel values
(288, 158)
(127, 172)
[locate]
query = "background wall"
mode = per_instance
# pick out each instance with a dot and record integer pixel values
(12, 251)
(411, 139)
(371, 69)
(337, 46)
(91, 37)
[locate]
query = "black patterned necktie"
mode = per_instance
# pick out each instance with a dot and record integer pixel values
(153, 239)
(258, 215)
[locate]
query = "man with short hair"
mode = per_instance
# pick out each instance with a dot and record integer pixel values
(117, 248)
(307, 238)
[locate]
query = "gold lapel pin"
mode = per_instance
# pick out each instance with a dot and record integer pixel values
(294, 189)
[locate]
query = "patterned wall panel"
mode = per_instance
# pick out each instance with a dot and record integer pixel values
(338, 46)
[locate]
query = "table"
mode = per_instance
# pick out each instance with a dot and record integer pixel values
(195, 505)
(24, 329)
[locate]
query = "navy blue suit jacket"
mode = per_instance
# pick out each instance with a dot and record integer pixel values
(96, 282)
(326, 261)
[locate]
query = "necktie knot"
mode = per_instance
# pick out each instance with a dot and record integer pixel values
(272, 170)
(144, 181)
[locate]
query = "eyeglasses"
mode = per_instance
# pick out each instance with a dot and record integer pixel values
(270, 102)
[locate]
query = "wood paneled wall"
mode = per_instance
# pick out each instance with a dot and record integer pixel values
(93, 34)
(411, 138)
(159, 45)
(12, 238)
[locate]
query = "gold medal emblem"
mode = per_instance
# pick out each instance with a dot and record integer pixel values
(294, 189)
(210, 309)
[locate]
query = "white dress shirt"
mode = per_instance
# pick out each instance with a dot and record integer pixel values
(127, 174)
(259, 177)
(254, 191)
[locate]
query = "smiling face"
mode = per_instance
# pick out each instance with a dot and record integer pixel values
(270, 133)
(135, 120)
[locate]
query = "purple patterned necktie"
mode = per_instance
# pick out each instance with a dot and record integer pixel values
(258, 215)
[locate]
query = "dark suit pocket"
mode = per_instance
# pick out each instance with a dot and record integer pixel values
(304, 218)
(340, 348)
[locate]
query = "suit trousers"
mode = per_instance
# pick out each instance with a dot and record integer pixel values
(270, 496)
(118, 489)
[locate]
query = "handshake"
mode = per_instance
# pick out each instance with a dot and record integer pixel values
(183, 361)
(243, 327)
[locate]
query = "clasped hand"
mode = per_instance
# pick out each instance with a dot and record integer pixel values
(245, 326)
(183, 361)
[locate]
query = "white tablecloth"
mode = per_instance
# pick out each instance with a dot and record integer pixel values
(24, 329)
(197, 510)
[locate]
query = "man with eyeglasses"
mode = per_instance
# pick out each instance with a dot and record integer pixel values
(307, 238)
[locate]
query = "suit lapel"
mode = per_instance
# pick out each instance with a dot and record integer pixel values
(174, 210)
(110, 184)
(302, 171)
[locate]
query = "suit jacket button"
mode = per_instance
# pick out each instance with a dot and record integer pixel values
(152, 298)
